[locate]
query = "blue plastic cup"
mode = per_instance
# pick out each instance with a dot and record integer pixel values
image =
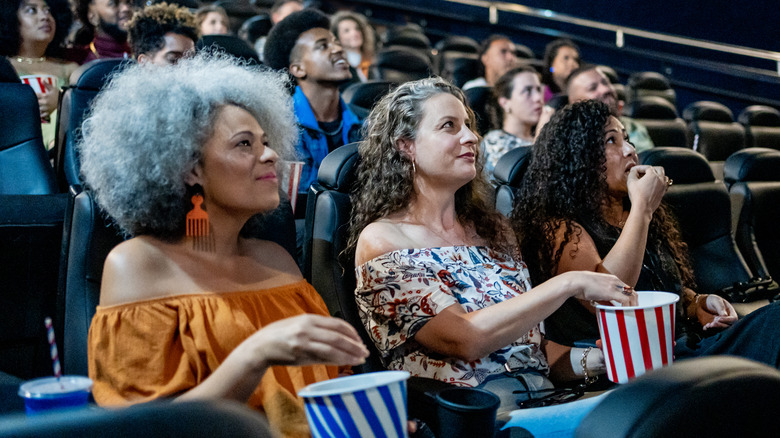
(50, 393)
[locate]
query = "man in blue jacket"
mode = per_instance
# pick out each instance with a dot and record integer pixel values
(303, 45)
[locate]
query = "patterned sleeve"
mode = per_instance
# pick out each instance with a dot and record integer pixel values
(397, 294)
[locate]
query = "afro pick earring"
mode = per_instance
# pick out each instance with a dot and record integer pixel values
(198, 225)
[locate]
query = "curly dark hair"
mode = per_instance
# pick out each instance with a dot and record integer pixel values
(148, 27)
(284, 36)
(550, 52)
(10, 38)
(504, 87)
(385, 182)
(566, 183)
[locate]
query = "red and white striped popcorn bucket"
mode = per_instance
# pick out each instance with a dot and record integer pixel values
(38, 82)
(639, 338)
(291, 179)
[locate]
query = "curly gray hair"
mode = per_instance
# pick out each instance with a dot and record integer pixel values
(146, 129)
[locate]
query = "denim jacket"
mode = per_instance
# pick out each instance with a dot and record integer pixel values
(312, 145)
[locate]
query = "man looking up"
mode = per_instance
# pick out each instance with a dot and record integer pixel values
(104, 27)
(498, 55)
(162, 34)
(588, 82)
(303, 45)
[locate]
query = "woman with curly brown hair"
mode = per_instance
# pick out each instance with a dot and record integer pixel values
(440, 287)
(586, 204)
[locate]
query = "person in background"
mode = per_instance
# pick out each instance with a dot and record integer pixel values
(162, 34)
(587, 205)
(515, 109)
(212, 20)
(31, 39)
(103, 32)
(357, 38)
(254, 30)
(498, 55)
(561, 57)
(282, 8)
(303, 45)
(202, 312)
(588, 82)
(441, 288)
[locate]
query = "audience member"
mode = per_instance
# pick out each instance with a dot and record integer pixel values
(212, 20)
(498, 55)
(561, 57)
(104, 28)
(440, 285)
(205, 314)
(605, 214)
(162, 34)
(303, 45)
(282, 8)
(31, 39)
(357, 38)
(515, 109)
(588, 82)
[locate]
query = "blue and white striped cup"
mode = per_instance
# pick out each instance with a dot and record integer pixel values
(363, 405)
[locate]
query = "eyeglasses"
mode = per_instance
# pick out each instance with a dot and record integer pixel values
(552, 396)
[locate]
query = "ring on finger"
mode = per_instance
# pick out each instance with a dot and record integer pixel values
(626, 290)
(669, 182)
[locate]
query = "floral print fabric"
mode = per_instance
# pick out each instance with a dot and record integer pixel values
(398, 292)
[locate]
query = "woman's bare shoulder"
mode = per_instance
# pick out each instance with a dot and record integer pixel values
(133, 270)
(380, 237)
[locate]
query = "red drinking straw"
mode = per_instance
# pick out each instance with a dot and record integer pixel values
(53, 348)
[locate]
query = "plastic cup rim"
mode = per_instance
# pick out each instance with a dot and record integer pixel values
(673, 298)
(468, 408)
(386, 378)
(25, 392)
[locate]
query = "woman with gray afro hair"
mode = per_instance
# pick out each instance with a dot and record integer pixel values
(202, 314)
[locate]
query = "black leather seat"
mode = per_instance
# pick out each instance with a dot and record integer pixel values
(754, 178)
(712, 130)
(762, 126)
(399, 65)
(7, 72)
(365, 94)
(610, 73)
(478, 99)
(457, 43)
(717, 396)
(24, 164)
(191, 419)
(660, 118)
(410, 37)
(327, 231)
(230, 44)
(703, 209)
(650, 83)
(85, 83)
(458, 67)
(508, 176)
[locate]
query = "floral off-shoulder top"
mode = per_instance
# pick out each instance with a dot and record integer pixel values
(398, 292)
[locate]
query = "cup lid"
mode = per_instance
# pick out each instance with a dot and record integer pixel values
(49, 387)
(358, 382)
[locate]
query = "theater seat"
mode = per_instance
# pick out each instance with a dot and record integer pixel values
(754, 178)
(478, 99)
(457, 43)
(762, 126)
(508, 175)
(712, 130)
(24, 164)
(650, 83)
(661, 120)
(458, 67)
(7, 72)
(85, 83)
(365, 94)
(411, 37)
(399, 65)
(327, 230)
(717, 396)
(703, 209)
(610, 73)
(230, 44)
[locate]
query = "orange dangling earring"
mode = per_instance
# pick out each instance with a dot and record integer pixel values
(197, 219)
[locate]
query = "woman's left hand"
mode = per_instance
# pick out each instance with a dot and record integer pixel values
(47, 102)
(714, 312)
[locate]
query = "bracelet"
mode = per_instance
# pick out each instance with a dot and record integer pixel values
(584, 363)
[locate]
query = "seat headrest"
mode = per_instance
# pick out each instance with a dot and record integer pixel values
(651, 107)
(752, 164)
(338, 169)
(366, 94)
(557, 102)
(457, 43)
(511, 167)
(7, 72)
(524, 52)
(648, 80)
(94, 74)
(230, 44)
(406, 36)
(610, 73)
(683, 165)
(760, 115)
(399, 58)
(709, 111)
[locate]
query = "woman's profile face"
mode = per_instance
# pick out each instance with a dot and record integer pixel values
(36, 24)
(349, 34)
(620, 155)
(237, 169)
(214, 24)
(526, 101)
(566, 60)
(445, 149)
